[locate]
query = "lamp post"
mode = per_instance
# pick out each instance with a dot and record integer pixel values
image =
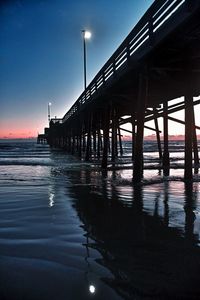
(86, 35)
(49, 111)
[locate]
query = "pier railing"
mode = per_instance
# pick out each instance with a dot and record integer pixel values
(144, 32)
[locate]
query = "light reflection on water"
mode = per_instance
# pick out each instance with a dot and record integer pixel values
(156, 220)
(74, 233)
(168, 200)
(51, 201)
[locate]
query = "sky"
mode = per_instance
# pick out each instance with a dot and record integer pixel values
(41, 55)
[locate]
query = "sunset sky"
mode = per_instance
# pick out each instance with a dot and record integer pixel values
(41, 55)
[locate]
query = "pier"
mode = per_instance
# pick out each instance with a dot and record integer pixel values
(157, 62)
(43, 138)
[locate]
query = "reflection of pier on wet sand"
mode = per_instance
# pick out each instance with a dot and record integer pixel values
(157, 62)
(146, 235)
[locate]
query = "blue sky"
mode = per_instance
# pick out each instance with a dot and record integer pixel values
(41, 54)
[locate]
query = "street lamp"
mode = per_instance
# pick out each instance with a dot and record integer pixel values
(49, 111)
(86, 35)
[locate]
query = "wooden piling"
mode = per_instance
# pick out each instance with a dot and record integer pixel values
(141, 105)
(195, 145)
(157, 134)
(83, 140)
(114, 135)
(94, 142)
(120, 141)
(98, 142)
(73, 143)
(106, 124)
(166, 164)
(188, 135)
(133, 133)
(80, 140)
(88, 145)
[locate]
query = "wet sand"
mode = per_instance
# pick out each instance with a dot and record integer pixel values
(67, 230)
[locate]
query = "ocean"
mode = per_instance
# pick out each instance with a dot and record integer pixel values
(69, 231)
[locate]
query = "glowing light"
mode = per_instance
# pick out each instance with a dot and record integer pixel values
(49, 103)
(87, 34)
(92, 289)
(51, 199)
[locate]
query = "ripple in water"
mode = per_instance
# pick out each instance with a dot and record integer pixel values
(69, 232)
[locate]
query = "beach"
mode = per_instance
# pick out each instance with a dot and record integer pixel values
(69, 231)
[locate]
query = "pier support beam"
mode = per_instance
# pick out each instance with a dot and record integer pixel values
(106, 124)
(141, 105)
(84, 141)
(195, 146)
(120, 141)
(157, 134)
(94, 142)
(73, 143)
(133, 134)
(80, 139)
(166, 143)
(114, 134)
(88, 145)
(188, 135)
(68, 142)
(99, 141)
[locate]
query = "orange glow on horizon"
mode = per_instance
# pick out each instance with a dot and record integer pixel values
(21, 129)
(24, 132)
(18, 134)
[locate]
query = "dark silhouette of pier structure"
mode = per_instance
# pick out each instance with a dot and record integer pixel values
(157, 62)
(43, 138)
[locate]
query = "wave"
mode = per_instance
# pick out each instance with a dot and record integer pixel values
(25, 163)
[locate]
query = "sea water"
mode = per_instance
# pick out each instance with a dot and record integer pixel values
(69, 231)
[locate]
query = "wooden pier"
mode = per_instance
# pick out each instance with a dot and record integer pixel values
(43, 138)
(157, 62)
